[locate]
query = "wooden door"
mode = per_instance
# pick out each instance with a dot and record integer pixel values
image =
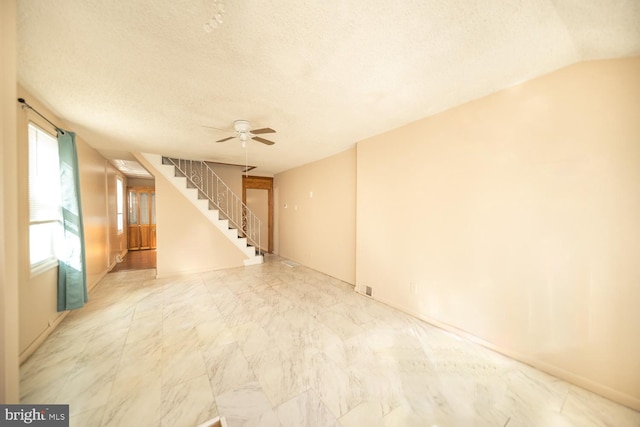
(152, 224)
(142, 218)
(133, 234)
(145, 219)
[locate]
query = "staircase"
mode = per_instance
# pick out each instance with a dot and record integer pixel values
(200, 184)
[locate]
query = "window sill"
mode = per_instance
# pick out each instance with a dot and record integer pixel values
(43, 266)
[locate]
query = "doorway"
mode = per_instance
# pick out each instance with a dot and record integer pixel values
(137, 260)
(253, 196)
(141, 218)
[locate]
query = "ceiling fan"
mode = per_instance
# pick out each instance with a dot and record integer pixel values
(243, 131)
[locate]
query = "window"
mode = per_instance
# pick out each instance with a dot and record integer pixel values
(44, 198)
(120, 204)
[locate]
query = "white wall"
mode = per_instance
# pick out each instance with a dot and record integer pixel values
(516, 219)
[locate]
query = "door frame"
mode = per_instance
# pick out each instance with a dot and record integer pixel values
(250, 182)
(152, 226)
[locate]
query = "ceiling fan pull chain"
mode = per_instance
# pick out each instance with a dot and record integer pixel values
(246, 161)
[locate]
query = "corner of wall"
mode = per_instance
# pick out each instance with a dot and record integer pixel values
(9, 300)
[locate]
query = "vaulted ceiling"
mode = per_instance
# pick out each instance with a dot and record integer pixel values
(145, 75)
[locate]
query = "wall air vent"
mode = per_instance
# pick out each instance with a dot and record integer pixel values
(367, 291)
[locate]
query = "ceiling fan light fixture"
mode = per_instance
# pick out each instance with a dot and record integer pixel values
(217, 18)
(241, 126)
(209, 26)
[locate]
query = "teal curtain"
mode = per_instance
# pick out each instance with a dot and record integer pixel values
(72, 273)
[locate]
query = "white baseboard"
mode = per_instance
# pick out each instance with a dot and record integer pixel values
(31, 348)
(53, 324)
(578, 380)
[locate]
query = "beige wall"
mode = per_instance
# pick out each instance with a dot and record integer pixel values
(315, 215)
(141, 182)
(95, 214)
(257, 200)
(258, 203)
(38, 294)
(516, 219)
(9, 374)
(117, 241)
(231, 175)
(187, 242)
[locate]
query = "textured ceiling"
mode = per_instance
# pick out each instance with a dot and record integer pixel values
(143, 75)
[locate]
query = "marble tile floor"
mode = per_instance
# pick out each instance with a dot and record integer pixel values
(271, 345)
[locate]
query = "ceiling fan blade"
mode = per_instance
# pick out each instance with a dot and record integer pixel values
(264, 141)
(213, 127)
(262, 130)
(225, 139)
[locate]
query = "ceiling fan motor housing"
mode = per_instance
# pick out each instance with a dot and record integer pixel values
(244, 132)
(241, 126)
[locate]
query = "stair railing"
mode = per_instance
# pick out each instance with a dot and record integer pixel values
(209, 184)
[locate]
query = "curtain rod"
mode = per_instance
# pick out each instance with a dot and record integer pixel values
(25, 104)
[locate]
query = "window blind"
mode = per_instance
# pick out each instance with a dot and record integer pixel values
(44, 177)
